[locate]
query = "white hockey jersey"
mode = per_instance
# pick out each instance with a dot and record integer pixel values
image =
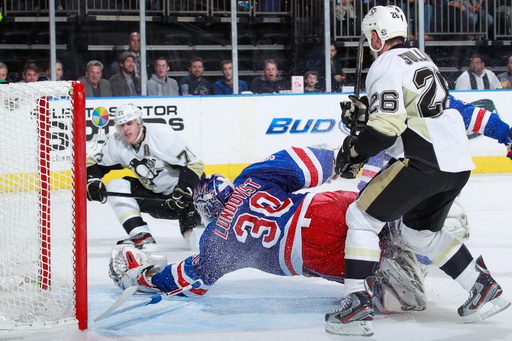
(156, 162)
(408, 97)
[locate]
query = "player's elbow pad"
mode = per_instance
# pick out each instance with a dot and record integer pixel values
(370, 142)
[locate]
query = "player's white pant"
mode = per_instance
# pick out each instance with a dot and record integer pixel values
(362, 242)
(439, 247)
(126, 209)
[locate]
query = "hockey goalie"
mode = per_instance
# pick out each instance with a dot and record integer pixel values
(261, 222)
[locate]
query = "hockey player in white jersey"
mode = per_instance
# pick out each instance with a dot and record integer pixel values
(408, 118)
(166, 169)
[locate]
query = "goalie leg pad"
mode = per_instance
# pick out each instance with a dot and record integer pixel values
(402, 281)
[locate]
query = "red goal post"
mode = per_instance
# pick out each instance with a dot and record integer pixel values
(43, 250)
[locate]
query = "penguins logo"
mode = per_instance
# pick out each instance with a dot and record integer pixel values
(147, 170)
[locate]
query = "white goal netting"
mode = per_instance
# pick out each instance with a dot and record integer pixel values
(37, 206)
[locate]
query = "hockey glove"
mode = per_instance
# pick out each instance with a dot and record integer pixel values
(347, 165)
(140, 277)
(180, 199)
(96, 190)
(354, 113)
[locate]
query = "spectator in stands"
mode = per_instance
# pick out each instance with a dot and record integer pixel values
(410, 9)
(505, 77)
(474, 14)
(134, 48)
(271, 81)
(311, 82)
(194, 83)
(94, 85)
(125, 82)
(224, 86)
(59, 71)
(478, 15)
(160, 84)
(477, 77)
(30, 73)
(337, 76)
(3, 72)
(345, 10)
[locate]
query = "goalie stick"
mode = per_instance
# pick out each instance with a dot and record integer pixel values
(153, 300)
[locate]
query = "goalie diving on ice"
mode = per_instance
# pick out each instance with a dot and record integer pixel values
(277, 230)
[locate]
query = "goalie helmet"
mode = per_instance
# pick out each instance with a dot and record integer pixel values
(388, 21)
(210, 196)
(126, 113)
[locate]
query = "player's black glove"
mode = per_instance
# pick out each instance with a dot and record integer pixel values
(96, 190)
(348, 166)
(354, 113)
(180, 199)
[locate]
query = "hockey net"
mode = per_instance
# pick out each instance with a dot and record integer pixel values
(43, 281)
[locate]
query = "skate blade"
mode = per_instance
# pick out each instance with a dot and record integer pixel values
(489, 309)
(361, 328)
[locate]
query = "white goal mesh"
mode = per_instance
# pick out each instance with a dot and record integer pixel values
(37, 205)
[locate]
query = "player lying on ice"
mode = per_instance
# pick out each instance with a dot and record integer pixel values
(263, 223)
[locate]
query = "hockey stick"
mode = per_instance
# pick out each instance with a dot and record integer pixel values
(153, 300)
(141, 196)
(357, 125)
(359, 64)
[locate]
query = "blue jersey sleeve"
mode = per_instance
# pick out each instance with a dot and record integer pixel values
(372, 167)
(293, 169)
(481, 121)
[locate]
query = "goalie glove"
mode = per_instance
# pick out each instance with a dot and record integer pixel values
(180, 199)
(140, 277)
(96, 190)
(348, 163)
(354, 113)
(125, 258)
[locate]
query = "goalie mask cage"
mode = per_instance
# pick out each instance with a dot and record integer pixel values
(43, 247)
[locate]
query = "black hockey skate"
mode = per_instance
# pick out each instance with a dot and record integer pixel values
(143, 241)
(354, 316)
(484, 298)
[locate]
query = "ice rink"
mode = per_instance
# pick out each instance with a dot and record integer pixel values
(251, 305)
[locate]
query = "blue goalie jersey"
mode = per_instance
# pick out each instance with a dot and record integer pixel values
(261, 224)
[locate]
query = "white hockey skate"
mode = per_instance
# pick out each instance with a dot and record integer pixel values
(484, 298)
(143, 241)
(354, 316)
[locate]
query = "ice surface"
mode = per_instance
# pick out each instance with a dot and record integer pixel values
(251, 305)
